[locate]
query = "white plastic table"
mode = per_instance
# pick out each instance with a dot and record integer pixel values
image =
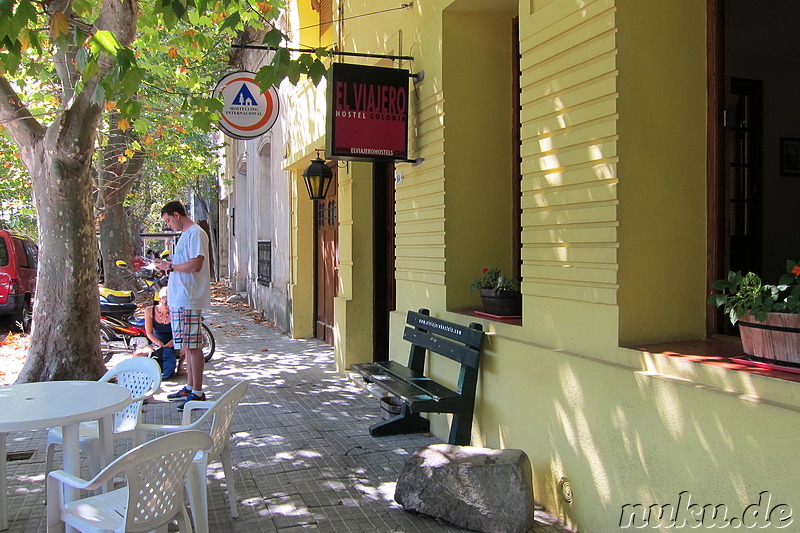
(30, 406)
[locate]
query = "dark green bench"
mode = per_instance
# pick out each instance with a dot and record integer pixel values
(419, 393)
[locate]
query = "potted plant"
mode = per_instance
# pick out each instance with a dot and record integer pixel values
(768, 316)
(500, 294)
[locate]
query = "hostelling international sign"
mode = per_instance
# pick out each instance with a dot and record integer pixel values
(367, 113)
(247, 112)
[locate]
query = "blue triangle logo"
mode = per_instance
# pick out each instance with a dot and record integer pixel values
(244, 97)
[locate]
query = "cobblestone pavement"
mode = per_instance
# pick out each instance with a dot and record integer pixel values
(301, 449)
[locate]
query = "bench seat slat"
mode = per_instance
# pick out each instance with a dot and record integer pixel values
(404, 382)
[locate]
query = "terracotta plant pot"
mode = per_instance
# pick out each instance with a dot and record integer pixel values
(502, 303)
(776, 340)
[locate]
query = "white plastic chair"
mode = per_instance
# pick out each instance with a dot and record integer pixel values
(151, 499)
(219, 415)
(140, 375)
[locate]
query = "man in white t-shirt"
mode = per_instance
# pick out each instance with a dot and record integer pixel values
(189, 292)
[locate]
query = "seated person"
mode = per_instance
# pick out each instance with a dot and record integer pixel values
(159, 331)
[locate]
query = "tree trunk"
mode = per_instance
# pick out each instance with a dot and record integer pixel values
(207, 194)
(65, 338)
(116, 180)
(114, 246)
(65, 342)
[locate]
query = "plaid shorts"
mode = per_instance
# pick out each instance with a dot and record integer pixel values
(186, 327)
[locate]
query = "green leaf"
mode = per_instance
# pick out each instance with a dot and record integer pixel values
(130, 108)
(99, 95)
(81, 7)
(317, 72)
(26, 12)
(266, 76)
(215, 104)
(90, 69)
(6, 8)
(141, 126)
(170, 18)
(125, 58)
(179, 9)
(281, 61)
(305, 61)
(293, 72)
(231, 22)
(12, 45)
(35, 42)
(202, 121)
(128, 86)
(274, 37)
(722, 285)
(104, 41)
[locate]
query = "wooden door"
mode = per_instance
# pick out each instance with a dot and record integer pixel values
(326, 220)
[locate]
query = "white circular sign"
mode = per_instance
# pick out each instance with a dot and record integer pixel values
(246, 111)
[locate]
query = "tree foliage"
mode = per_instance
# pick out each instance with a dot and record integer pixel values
(16, 201)
(64, 64)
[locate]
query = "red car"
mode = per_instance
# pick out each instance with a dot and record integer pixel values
(18, 265)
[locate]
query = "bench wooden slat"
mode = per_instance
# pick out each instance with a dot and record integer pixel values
(466, 334)
(403, 382)
(462, 354)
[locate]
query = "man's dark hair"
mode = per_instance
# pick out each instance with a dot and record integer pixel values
(174, 207)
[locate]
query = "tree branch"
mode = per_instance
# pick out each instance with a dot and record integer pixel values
(16, 118)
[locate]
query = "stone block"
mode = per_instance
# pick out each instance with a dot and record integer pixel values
(475, 488)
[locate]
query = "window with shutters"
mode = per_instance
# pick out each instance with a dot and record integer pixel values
(325, 17)
(325, 10)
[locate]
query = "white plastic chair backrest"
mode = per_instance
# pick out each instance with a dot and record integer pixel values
(220, 416)
(155, 473)
(141, 376)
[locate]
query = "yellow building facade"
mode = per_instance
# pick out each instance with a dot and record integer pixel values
(612, 127)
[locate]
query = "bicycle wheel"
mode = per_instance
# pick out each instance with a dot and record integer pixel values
(209, 344)
(107, 346)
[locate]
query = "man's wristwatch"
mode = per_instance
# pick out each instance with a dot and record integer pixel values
(170, 268)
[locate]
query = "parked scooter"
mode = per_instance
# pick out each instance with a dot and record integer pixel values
(117, 311)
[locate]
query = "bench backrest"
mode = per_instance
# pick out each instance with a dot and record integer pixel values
(457, 342)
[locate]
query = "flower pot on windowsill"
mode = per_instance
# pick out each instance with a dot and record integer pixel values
(775, 340)
(501, 303)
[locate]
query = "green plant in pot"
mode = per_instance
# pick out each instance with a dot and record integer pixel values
(500, 294)
(768, 315)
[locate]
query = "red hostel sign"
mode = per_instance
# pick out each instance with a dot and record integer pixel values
(367, 113)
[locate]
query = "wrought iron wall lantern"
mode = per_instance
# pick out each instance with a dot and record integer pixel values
(318, 178)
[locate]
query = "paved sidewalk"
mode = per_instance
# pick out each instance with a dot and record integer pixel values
(301, 449)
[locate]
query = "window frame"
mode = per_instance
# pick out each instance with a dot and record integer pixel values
(264, 264)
